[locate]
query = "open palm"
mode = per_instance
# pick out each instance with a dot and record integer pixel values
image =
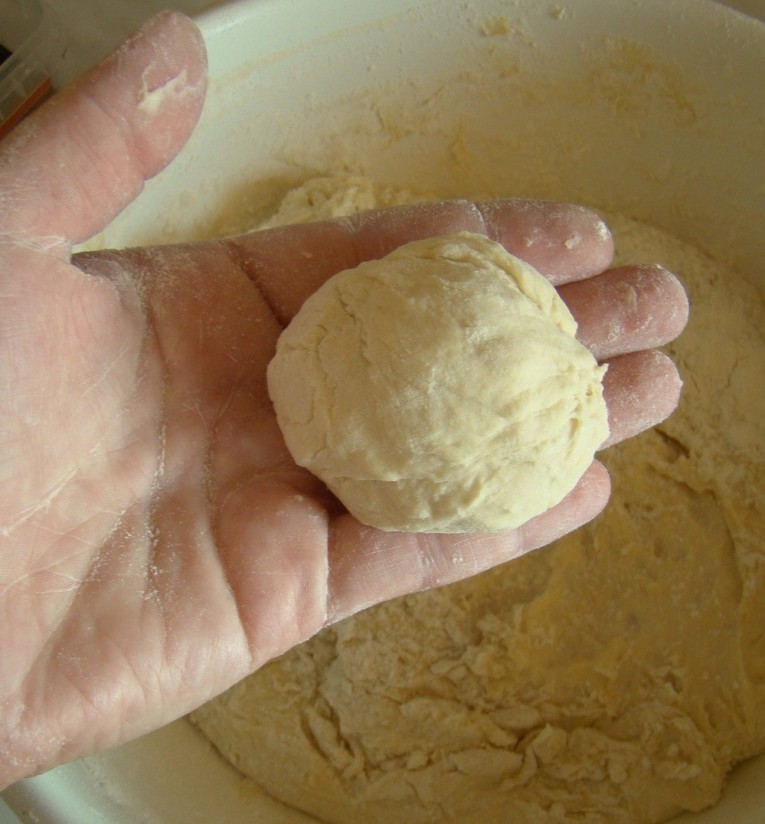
(157, 541)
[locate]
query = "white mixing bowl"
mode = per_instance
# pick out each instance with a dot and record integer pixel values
(655, 108)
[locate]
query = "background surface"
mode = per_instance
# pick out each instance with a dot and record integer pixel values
(94, 27)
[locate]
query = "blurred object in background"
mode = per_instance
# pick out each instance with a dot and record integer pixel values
(31, 44)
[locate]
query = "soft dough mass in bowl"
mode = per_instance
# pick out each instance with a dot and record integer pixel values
(650, 110)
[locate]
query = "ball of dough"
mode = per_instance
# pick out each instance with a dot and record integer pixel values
(439, 389)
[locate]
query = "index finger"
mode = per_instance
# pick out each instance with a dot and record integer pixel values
(564, 241)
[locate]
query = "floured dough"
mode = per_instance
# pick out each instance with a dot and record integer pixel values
(323, 198)
(439, 389)
(612, 677)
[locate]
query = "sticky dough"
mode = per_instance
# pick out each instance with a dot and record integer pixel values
(440, 389)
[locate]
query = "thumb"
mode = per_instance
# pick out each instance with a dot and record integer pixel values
(67, 170)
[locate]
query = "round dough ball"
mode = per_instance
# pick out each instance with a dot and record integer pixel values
(439, 389)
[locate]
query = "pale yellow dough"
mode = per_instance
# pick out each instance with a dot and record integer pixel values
(613, 677)
(440, 389)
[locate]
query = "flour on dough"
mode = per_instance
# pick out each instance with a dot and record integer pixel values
(440, 388)
(324, 198)
(613, 677)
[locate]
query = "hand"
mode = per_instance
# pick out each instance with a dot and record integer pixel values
(157, 543)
